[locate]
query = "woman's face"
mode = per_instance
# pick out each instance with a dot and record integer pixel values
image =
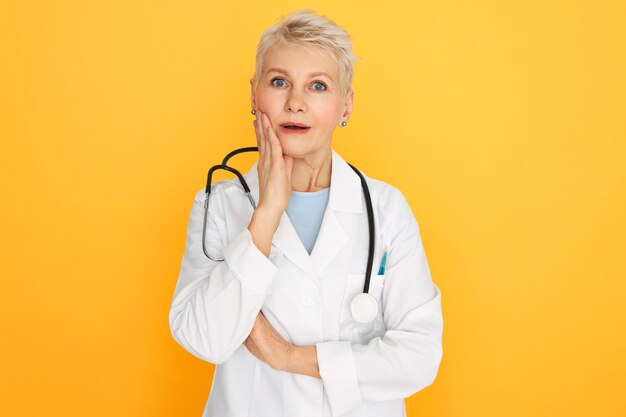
(300, 85)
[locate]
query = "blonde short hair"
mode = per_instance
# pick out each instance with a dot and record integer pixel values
(306, 28)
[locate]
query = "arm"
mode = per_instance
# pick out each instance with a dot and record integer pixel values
(216, 303)
(303, 360)
(406, 358)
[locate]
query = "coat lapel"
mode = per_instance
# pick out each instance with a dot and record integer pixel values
(286, 239)
(345, 196)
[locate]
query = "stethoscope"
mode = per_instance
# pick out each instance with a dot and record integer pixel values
(363, 306)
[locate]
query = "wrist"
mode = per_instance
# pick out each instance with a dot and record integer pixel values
(265, 221)
(262, 227)
(268, 214)
(289, 359)
(302, 360)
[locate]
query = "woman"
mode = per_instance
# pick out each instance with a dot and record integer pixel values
(275, 315)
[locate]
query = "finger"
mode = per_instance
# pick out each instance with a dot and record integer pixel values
(272, 135)
(267, 126)
(258, 142)
(288, 167)
(256, 122)
(266, 154)
(260, 135)
(273, 141)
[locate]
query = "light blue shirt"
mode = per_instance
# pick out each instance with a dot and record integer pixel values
(306, 211)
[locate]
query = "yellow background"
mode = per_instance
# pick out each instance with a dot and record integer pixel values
(502, 122)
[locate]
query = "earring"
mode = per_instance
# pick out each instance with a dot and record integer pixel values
(344, 123)
(253, 111)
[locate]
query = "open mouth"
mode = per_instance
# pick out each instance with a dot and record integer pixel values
(291, 127)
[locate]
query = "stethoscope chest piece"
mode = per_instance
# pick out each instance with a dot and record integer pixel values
(363, 308)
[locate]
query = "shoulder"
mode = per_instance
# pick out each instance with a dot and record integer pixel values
(382, 189)
(377, 188)
(388, 195)
(390, 203)
(219, 190)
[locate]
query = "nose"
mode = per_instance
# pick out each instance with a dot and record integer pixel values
(295, 101)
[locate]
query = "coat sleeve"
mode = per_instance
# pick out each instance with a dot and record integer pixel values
(406, 358)
(216, 303)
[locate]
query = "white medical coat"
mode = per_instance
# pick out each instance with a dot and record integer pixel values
(366, 369)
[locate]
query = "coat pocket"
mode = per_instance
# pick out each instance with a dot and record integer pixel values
(350, 328)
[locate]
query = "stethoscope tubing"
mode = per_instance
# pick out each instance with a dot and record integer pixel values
(371, 228)
(224, 166)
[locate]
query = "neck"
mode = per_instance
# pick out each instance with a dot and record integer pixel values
(310, 174)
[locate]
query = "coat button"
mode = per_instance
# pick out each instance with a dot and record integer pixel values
(305, 301)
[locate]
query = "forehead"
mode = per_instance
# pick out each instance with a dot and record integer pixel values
(300, 61)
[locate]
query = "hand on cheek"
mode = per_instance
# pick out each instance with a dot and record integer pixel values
(274, 168)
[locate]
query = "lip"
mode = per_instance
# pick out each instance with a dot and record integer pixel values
(294, 124)
(283, 129)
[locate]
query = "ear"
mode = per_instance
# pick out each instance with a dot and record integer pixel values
(348, 103)
(252, 94)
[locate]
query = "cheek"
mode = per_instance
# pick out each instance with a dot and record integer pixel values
(329, 117)
(270, 106)
(265, 101)
(269, 99)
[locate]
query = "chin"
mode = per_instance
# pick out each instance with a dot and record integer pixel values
(301, 152)
(294, 146)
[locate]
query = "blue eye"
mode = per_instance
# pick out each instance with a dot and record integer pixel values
(277, 79)
(323, 88)
(320, 83)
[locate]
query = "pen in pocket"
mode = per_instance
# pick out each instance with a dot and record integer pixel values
(383, 262)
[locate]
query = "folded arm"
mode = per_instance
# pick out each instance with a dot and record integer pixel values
(216, 303)
(406, 358)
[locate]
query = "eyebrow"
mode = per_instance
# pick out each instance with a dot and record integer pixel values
(313, 74)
